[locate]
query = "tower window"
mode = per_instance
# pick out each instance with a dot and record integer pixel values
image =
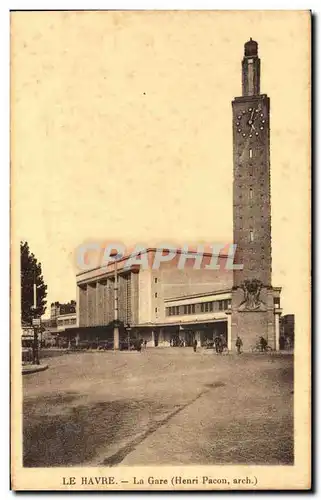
(251, 194)
(251, 153)
(251, 236)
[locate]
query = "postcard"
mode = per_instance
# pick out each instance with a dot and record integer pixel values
(160, 256)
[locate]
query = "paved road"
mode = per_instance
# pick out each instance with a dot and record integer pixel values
(164, 406)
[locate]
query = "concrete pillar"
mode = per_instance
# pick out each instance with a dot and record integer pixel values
(277, 331)
(87, 306)
(97, 321)
(77, 305)
(229, 330)
(116, 338)
(151, 343)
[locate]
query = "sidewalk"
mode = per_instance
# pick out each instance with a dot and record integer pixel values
(26, 369)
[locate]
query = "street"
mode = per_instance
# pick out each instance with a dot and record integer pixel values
(160, 407)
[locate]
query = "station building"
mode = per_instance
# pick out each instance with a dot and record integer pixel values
(164, 304)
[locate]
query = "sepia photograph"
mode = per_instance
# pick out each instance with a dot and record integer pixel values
(160, 250)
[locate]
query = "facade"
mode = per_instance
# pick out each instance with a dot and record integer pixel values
(66, 321)
(160, 305)
(287, 327)
(57, 309)
(168, 304)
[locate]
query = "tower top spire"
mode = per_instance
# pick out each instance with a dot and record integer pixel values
(251, 48)
(251, 69)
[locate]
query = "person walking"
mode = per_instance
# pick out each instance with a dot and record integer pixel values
(217, 341)
(238, 344)
(263, 344)
(195, 345)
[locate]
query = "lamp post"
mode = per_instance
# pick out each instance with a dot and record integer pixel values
(116, 329)
(35, 324)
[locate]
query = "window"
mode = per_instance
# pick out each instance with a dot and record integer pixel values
(220, 305)
(193, 308)
(251, 236)
(155, 280)
(276, 301)
(211, 306)
(202, 307)
(155, 309)
(155, 295)
(250, 153)
(177, 310)
(251, 194)
(188, 309)
(206, 306)
(185, 309)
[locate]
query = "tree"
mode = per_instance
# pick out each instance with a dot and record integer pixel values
(30, 273)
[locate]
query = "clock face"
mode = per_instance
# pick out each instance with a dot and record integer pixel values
(250, 122)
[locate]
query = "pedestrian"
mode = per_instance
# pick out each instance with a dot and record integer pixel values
(217, 342)
(145, 344)
(263, 344)
(238, 344)
(195, 345)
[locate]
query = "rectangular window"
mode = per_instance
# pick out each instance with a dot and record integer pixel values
(211, 306)
(156, 295)
(185, 309)
(193, 308)
(155, 309)
(189, 309)
(206, 306)
(250, 153)
(155, 280)
(251, 236)
(251, 194)
(177, 310)
(202, 307)
(220, 305)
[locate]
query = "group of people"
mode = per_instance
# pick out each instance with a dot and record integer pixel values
(141, 344)
(177, 342)
(219, 344)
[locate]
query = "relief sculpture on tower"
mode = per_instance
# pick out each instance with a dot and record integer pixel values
(252, 290)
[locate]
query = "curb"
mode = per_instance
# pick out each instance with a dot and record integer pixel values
(33, 369)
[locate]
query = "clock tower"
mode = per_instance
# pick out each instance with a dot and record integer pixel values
(254, 300)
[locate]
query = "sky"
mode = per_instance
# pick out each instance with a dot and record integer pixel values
(121, 129)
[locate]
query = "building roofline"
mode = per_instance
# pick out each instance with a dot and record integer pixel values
(153, 249)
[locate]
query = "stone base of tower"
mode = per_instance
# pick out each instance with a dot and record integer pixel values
(251, 324)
